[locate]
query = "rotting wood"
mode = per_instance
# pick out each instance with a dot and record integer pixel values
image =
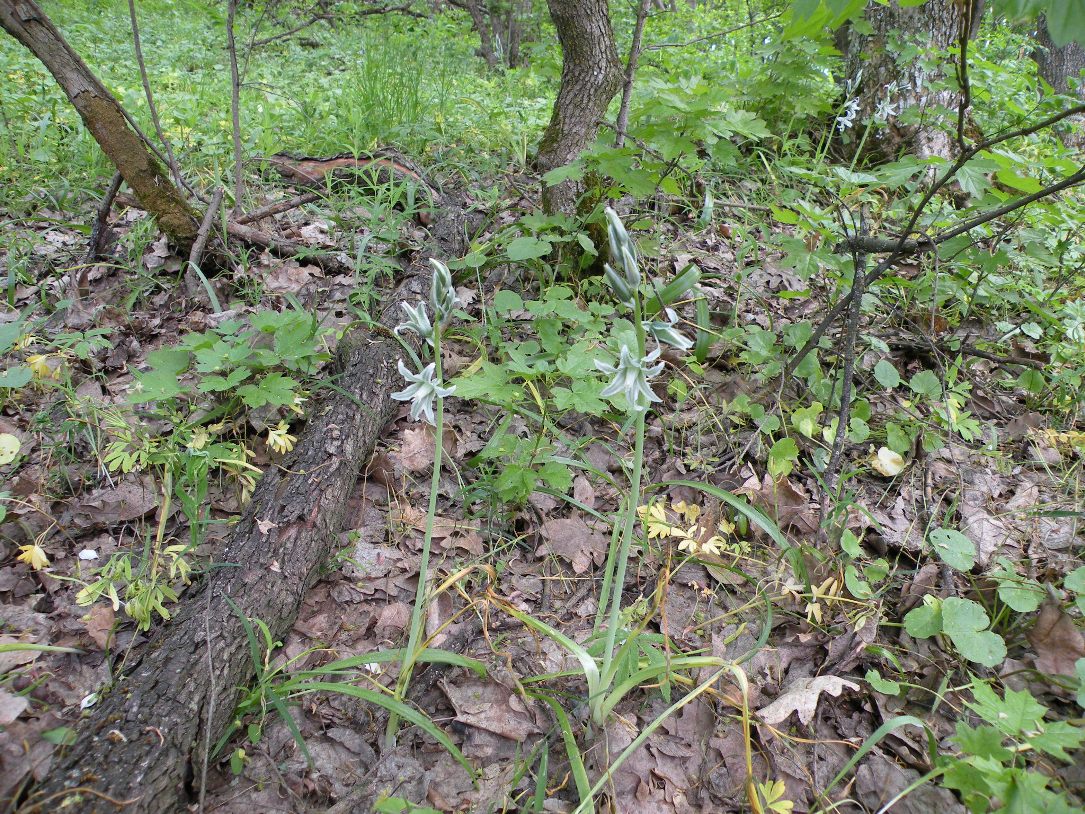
(143, 743)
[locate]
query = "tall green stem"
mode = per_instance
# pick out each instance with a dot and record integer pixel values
(419, 613)
(627, 535)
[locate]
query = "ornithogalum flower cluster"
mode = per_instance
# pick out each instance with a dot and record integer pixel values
(635, 366)
(424, 388)
(426, 393)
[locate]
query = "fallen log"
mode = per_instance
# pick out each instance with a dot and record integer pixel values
(143, 746)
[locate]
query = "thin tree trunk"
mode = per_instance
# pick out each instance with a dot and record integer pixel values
(630, 74)
(482, 26)
(151, 106)
(103, 117)
(235, 106)
(590, 76)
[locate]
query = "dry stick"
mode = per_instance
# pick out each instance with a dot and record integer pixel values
(174, 169)
(967, 350)
(283, 35)
(280, 247)
(196, 255)
(289, 249)
(235, 105)
(278, 207)
(963, 36)
(630, 73)
(855, 314)
(95, 249)
(128, 117)
(737, 28)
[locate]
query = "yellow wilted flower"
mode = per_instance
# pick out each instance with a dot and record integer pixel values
(655, 520)
(40, 367)
(199, 440)
(34, 556)
(690, 511)
(279, 439)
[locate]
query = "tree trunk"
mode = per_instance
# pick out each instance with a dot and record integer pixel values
(590, 76)
(482, 26)
(871, 69)
(1058, 65)
(144, 743)
(103, 117)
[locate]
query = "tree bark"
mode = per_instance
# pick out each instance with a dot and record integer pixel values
(871, 68)
(1058, 65)
(144, 743)
(104, 118)
(590, 76)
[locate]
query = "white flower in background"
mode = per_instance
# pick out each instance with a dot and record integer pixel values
(417, 321)
(667, 332)
(847, 118)
(884, 111)
(631, 378)
(88, 554)
(422, 389)
(442, 292)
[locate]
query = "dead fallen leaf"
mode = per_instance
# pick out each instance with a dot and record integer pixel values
(802, 697)
(289, 278)
(131, 498)
(572, 540)
(491, 706)
(416, 451)
(11, 707)
(887, 463)
(1056, 639)
(99, 623)
(785, 502)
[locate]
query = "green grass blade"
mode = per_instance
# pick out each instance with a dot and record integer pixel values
(647, 673)
(430, 655)
(576, 760)
(291, 724)
(250, 634)
(12, 647)
(587, 663)
(875, 738)
(638, 741)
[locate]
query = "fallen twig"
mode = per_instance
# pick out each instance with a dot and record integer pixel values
(278, 208)
(196, 255)
(289, 249)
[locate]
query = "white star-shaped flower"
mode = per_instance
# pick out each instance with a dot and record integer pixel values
(422, 389)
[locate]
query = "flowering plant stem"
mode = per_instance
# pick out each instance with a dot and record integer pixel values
(615, 592)
(418, 615)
